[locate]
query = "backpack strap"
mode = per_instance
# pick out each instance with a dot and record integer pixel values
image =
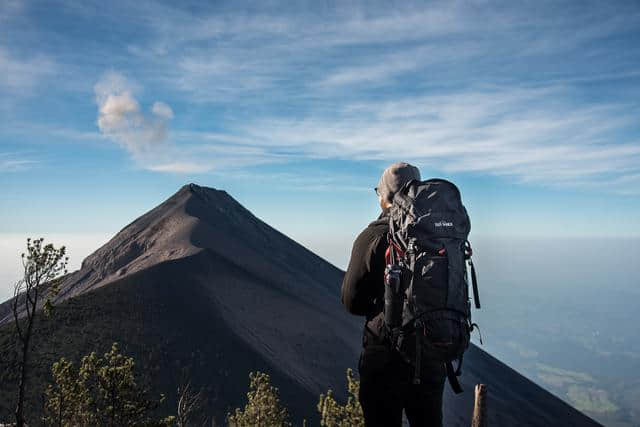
(475, 326)
(468, 252)
(453, 377)
(416, 371)
(474, 282)
(459, 368)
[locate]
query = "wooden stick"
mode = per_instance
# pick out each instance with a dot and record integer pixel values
(480, 407)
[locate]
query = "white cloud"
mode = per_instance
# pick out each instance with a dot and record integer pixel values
(384, 67)
(162, 110)
(223, 56)
(180, 167)
(10, 163)
(18, 76)
(457, 92)
(511, 132)
(121, 119)
(146, 137)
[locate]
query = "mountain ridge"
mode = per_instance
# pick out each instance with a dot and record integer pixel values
(182, 225)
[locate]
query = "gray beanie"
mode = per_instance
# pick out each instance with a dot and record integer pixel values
(394, 177)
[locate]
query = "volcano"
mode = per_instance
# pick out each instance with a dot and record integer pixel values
(199, 286)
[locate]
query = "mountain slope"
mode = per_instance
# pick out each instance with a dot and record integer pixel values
(200, 284)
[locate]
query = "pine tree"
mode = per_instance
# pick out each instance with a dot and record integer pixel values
(43, 266)
(102, 392)
(332, 414)
(263, 408)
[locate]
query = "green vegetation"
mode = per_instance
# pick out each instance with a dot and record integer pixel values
(76, 377)
(42, 267)
(164, 340)
(335, 415)
(102, 392)
(263, 405)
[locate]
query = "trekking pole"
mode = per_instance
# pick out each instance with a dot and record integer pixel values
(480, 407)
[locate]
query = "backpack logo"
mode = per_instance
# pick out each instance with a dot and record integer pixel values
(443, 224)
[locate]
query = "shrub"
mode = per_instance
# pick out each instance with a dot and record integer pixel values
(263, 407)
(332, 414)
(102, 392)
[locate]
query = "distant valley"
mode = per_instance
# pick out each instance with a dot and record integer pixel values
(564, 314)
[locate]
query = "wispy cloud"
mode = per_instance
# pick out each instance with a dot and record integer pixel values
(512, 132)
(457, 86)
(180, 167)
(221, 56)
(385, 67)
(10, 162)
(18, 76)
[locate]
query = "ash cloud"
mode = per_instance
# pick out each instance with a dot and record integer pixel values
(122, 120)
(145, 134)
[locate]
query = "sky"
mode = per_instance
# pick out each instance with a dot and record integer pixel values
(296, 108)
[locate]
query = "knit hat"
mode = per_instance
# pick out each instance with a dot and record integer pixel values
(394, 177)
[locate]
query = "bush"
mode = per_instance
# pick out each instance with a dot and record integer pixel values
(103, 391)
(263, 407)
(332, 414)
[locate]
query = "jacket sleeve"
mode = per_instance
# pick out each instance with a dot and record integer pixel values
(363, 283)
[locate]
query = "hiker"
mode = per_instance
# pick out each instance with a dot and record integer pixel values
(387, 383)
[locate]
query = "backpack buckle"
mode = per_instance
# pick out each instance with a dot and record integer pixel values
(468, 251)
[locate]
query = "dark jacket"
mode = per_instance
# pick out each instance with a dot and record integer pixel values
(363, 283)
(386, 380)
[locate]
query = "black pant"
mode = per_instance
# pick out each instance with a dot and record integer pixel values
(386, 388)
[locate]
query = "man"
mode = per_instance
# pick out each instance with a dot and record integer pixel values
(386, 386)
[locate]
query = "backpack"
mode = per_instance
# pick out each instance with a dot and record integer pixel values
(427, 310)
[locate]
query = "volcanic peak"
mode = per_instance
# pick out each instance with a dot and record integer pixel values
(193, 218)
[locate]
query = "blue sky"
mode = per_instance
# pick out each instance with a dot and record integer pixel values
(107, 108)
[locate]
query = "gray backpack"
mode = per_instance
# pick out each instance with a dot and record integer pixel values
(427, 310)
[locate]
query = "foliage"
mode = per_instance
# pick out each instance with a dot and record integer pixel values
(263, 407)
(42, 266)
(62, 397)
(102, 392)
(332, 414)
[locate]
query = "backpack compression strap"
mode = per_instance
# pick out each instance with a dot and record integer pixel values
(394, 252)
(453, 378)
(416, 371)
(468, 252)
(474, 282)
